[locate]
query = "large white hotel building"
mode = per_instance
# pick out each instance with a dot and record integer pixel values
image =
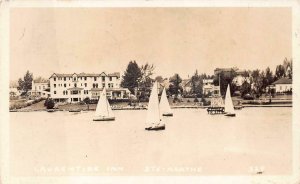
(75, 87)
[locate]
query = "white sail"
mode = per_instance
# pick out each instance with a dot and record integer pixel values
(164, 104)
(103, 108)
(153, 114)
(228, 102)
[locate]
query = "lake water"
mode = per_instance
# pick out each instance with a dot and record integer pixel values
(194, 143)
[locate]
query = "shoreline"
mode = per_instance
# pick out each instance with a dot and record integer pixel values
(144, 108)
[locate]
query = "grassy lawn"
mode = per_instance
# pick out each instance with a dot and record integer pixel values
(36, 106)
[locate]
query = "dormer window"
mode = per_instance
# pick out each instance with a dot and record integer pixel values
(54, 78)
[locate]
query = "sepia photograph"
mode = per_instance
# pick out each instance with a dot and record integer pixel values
(151, 91)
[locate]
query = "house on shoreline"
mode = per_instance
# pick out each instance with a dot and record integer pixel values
(75, 87)
(282, 85)
(40, 88)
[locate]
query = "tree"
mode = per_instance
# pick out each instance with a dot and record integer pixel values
(145, 81)
(49, 103)
(131, 76)
(159, 79)
(224, 78)
(269, 78)
(175, 87)
(258, 79)
(245, 88)
(289, 73)
(25, 84)
(197, 83)
(280, 72)
(87, 102)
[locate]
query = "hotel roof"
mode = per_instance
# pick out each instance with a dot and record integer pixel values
(115, 74)
(283, 81)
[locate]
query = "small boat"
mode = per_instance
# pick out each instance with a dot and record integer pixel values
(75, 110)
(238, 107)
(164, 105)
(103, 109)
(50, 110)
(229, 109)
(154, 120)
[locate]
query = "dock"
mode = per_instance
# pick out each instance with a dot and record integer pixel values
(215, 110)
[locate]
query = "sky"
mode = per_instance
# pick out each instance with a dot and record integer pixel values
(175, 40)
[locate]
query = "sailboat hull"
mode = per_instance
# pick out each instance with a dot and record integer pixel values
(104, 119)
(168, 114)
(230, 114)
(156, 128)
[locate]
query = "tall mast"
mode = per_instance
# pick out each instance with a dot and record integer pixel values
(219, 85)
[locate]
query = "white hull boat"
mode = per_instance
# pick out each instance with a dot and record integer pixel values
(229, 109)
(154, 120)
(103, 110)
(164, 105)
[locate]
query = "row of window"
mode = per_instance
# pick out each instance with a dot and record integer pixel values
(39, 87)
(86, 92)
(95, 85)
(110, 85)
(80, 78)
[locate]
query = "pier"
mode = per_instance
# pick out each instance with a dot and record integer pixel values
(215, 110)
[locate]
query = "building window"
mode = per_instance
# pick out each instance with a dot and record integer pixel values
(54, 92)
(74, 78)
(95, 78)
(55, 85)
(54, 78)
(84, 78)
(65, 78)
(112, 85)
(103, 78)
(65, 85)
(66, 92)
(103, 85)
(108, 85)
(85, 84)
(110, 78)
(75, 85)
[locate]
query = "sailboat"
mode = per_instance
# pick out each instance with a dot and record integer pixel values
(103, 110)
(229, 109)
(164, 105)
(154, 119)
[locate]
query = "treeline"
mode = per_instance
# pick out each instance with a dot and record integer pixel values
(255, 82)
(139, 79)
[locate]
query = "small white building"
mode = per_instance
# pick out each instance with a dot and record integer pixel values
(283, 85)
(208, 86)
(14, 92)
(186, 85)
(40, 88)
